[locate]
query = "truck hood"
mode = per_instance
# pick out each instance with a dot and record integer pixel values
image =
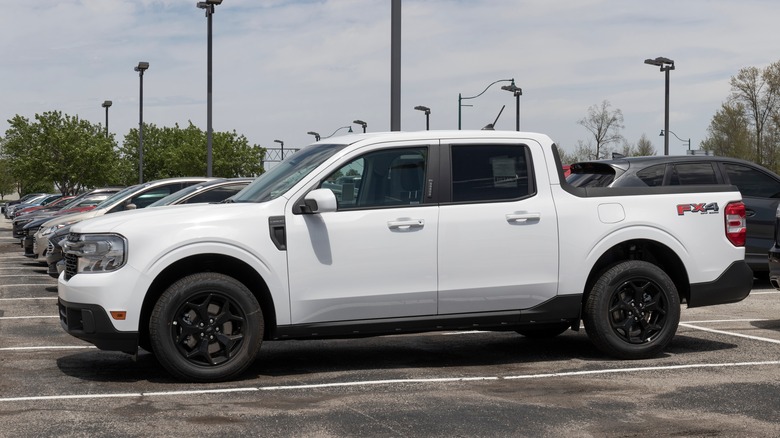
(149, 219)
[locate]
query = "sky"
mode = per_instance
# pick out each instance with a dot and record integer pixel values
(282, 68)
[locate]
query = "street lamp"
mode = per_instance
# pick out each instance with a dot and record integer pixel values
(281, 143)
(666, 65)
(461, 98)
(208, 5)
(427, 115)
(361, 123)
(517, 91)
(106, 105)
(141, 68)
(315, 134)
(678, 138)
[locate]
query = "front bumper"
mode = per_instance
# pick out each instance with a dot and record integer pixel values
(733, 285)
(91, 323)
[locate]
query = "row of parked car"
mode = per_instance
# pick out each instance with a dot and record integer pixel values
(41, 227)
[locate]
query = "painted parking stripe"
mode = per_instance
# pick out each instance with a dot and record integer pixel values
(723, 332)
(371, 383)
(28, 317)
(28, 298)
(49, 347)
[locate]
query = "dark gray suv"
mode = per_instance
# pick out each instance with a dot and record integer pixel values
(759, 186)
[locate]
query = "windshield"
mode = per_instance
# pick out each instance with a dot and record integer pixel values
(118, 195)
(286, 174)
(175, 196)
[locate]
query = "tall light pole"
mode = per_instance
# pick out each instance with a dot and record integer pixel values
(361, 123)
(461, 98)
(141, 68)
(517, 91)
(282, 145)
(666, 65)
(315, 134)
(208, 5)
(427, 115)
(107, 105)
(678, 138)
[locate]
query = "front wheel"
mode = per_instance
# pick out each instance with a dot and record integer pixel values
(206, 327)
(632, 311)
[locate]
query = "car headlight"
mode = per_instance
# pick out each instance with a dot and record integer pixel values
(97, 252)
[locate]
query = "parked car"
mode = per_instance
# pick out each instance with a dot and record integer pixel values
(207, 192)
(54, 204)
(131, 198)
(32, 202)
(759, 186)
(24, 198)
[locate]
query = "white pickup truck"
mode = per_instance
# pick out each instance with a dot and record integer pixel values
(395, 233)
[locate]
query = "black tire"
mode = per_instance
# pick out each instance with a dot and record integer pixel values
(544, 331)
(632, 311)
(206, 327)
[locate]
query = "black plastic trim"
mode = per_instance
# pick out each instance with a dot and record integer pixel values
(90, 322)
(733, 285)
(278, 231)
(565, 308)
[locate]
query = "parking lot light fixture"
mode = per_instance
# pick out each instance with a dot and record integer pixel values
(208, 6)
(427, 115)
(461, 98)
(666, 65)
(141, 68)
(315, 134)
(517, 91)
(361, 123)
(106, 105)
(281, 143)
(678, 138)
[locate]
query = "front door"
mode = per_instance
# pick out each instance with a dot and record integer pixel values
(376, 256)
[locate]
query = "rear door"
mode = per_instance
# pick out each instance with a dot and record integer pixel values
(498, 234)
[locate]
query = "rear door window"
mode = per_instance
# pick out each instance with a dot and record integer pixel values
(490, 173)
(653, 176)
(686, 174)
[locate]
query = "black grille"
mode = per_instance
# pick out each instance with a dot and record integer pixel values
(71, 261)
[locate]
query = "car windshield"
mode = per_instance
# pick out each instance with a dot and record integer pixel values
(118, 195)
(175, 196)
(286, 174)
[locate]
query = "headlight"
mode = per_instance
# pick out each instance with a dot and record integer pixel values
(97, 252)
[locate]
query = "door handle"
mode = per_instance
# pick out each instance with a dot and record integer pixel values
(405, 224)
(521, 218)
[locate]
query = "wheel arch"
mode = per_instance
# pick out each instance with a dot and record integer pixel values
(219, 263)
(647, 250)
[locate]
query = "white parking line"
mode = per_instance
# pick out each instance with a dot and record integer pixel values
(739, 335)
(28, 298)
(49, 347)
(370, 383)
(27, 317)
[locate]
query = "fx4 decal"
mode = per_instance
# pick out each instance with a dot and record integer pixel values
(703, 208)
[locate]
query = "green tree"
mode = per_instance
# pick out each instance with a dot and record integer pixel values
(604, 125)
(170, 152)
(58, 151)
(729, 133)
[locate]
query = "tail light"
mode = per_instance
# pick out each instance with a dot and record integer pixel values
(736, 224)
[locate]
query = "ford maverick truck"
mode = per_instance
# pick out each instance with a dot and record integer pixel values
(389, 233)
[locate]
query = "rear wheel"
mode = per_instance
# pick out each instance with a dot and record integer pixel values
(206, 327)
(632, 311)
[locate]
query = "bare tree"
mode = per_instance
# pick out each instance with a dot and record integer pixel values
(759, 91)
(604, 125)
(644, 147)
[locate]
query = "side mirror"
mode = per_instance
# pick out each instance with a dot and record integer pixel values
(319, 201)
(130, 207)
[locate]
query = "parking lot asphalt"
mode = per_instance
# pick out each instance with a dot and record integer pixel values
(719, 377)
